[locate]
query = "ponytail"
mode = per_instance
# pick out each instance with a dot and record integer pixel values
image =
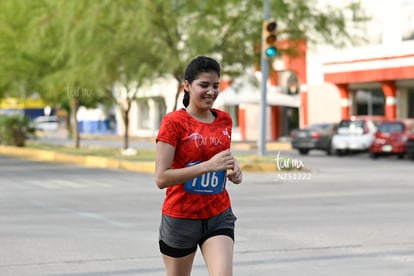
(186, 99)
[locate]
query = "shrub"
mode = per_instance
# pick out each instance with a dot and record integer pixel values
(15, 129)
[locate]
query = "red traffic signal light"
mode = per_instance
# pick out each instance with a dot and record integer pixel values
(269, 38)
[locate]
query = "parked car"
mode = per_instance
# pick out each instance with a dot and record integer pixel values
(390, 139)
(46, 123)
(355, 134)
(313, 137)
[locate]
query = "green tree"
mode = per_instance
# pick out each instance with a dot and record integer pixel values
(20, 65)
(60, 48)
(98, 44)
(36, 50)
(71, 26)
(229, 30)
(128, 59)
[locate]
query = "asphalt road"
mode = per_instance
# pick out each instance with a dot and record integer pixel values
(343, 216)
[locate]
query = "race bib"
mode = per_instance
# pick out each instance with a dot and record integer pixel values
(208, 183)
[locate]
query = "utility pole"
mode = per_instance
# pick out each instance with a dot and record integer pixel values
(264, 67)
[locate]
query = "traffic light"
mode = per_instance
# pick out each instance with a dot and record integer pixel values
(269, 38)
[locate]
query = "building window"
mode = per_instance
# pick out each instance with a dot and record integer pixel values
(233, 110)
(370, 102)
(407, 19)
(161, 110)
(144, 115)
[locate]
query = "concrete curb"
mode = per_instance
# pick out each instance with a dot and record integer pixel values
(86, 161)
(110, 163)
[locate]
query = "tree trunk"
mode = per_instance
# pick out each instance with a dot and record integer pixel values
(74, 105)
(177, 94)
(126, 125)
(125, 108)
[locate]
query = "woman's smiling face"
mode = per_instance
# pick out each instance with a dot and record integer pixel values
(203, 90)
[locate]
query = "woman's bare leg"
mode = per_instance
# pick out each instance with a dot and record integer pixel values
(218, 255)
(178, 266)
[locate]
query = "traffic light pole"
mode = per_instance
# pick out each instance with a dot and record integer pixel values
(264, 67)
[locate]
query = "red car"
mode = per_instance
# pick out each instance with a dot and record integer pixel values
(390, 139)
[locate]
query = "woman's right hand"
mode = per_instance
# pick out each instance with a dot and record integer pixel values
(221, 161)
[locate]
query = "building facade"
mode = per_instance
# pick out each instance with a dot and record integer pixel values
(375, 79)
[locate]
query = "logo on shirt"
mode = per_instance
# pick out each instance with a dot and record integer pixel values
(194, 136)
(201, 140)
(226, 133)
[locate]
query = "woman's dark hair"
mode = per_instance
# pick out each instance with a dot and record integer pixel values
(200, 64)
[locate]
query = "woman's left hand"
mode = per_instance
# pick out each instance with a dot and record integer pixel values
(235, 175)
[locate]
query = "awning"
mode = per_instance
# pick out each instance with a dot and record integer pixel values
(230, 97)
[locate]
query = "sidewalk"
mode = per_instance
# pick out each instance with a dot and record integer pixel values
(255, 164)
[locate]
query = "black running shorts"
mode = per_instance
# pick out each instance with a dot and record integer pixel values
(179, 237)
